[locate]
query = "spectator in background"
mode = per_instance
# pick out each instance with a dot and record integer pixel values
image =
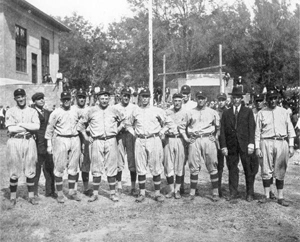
(59, 77)
(2, 118)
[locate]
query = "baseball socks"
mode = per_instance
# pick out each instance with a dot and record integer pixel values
(13, 184)
(142, 186)
(178, 182)
(119, 181)
(85, 181)
(59, 186)
(214, 178)
(170, 180)
(157, 181)
(133, 176)
(279, 186)
(96, 185)
(266, 184)
(112, 186)
(72, 192)
(76, 182)
(194, 181)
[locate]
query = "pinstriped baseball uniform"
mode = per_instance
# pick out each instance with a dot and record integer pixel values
(62, 126)
(126, 141)
(174, 150)
(21, 153)
(103, 152)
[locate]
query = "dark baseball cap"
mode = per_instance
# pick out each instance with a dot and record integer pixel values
(185, 89)
(81, 93)
(37, 96)
(145, 92)
(126, 91)
(222, 96)
(177, 95)
(259, 97)
(201, 94)
(19, 92)
(104, 92)
(65, 95)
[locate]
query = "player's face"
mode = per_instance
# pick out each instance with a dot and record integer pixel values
(185, 97)
(40, 103)
(236, 100)
(177, 102)
(103, 100)
(81, 101)
(125, 98)
(259, 104)
(201, 101)
(212, 104)
(221, 103)
(145, 100)
(272, 102)
(66, 103)
(21, 100)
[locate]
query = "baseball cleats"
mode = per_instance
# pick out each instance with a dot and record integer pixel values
(33, 201)
(215, 198)
(53, 195)
(272, 195)
(282, 202)
(140, 198)
(93, 198)
(177, 195)
(264, 200)
(170, 195)
(192, 197)
(114, 198)
(60, 199)
(159, 198)
(12, 202)
(88, 192)
(134, 192)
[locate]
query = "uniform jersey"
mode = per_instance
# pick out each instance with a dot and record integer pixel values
(189, 105)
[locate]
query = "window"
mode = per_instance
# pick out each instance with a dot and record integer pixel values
(45, 56)
(21, 45)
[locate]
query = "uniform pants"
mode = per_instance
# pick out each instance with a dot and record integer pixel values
(21, 155)
(126, 145)
(84, 161)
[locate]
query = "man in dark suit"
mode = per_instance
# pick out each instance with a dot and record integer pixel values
(237, 141)
(44, 159)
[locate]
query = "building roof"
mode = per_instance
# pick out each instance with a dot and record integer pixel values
(38, 13)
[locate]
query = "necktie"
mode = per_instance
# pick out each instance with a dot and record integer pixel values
(42, 112)
(236, 116)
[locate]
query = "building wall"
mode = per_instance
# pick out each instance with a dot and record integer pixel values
(11, 15)
(1, 41)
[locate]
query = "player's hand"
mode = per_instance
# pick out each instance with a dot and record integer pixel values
(258, 153)
(212, 138)
(190, 140)
(291, 151)
(225, 151)
(49, 149)
(90, 140)
(250, 150)
(161, 135)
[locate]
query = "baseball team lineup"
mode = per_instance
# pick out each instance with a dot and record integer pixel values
(103, 139)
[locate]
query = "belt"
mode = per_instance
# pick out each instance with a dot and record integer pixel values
(146, 136)
(21, 136)
(67, 136)
(174, 135)
(104, 138)
(275, 138)
(201, 135)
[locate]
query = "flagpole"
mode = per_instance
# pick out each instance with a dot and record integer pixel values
(150, 53)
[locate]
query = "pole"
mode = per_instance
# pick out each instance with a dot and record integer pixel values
(181, 72)
(150, 53)
(164, 81)
(220, 70)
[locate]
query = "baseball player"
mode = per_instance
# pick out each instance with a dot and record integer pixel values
(202, 124)
(84, 161)
(148, 124)
(64, 143)
(104, 123)
(273, 127)
(126, 142)
(221, 108)
(45, 160)
(174, 149)
(21, 152)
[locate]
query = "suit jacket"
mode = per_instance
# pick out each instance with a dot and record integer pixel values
(41, 142)
(243, 135)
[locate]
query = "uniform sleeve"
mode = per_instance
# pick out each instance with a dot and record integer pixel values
(83, 120)
(184, 122)
(167, 122)
(216, 120)
(9, 119)
(290, 130)
(258, 129)
(50, 126)
(35, 117)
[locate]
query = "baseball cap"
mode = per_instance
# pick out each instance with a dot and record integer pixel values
(201, 94)
(126, 91)
(222, 96)
(272, 93)
(104, 92)
(185, 89)
(259, 97)
(177, 95)
(145, 92)
(65, 95)
(81, 93)
(19, 92)
(37, 96)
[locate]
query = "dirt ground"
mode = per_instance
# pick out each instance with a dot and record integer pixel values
(174, 220)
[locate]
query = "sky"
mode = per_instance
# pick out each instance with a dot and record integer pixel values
(98, 12)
